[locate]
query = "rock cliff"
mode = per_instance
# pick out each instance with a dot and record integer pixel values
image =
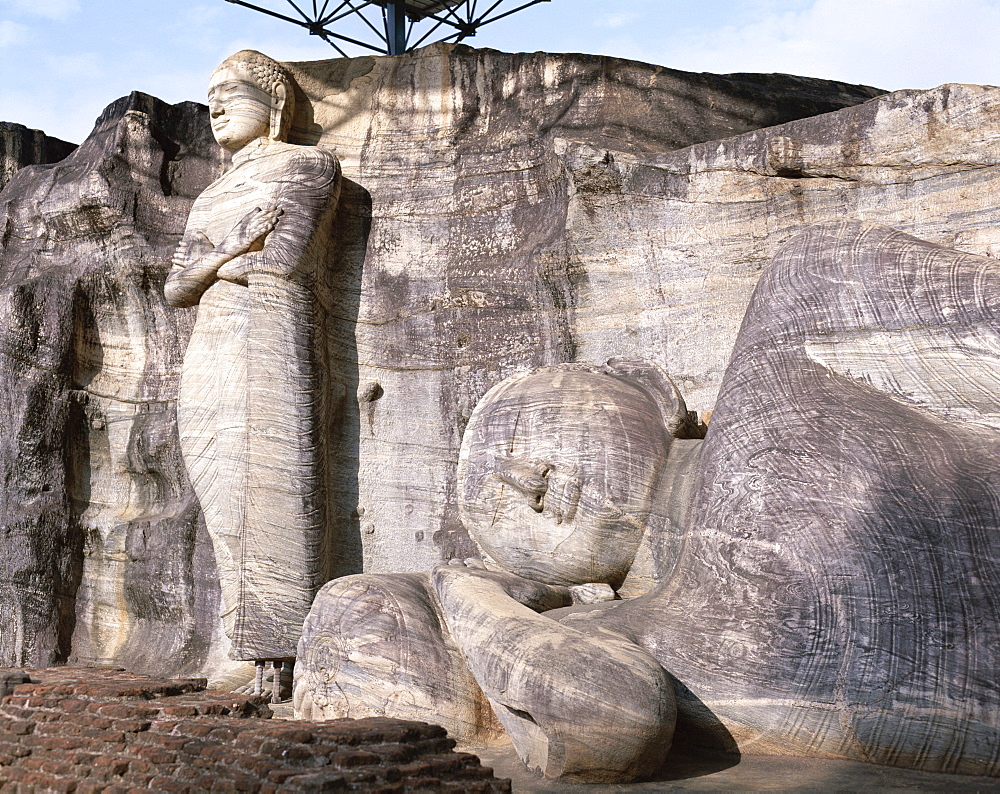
(500, 212)
(20, 146)
(104, 550)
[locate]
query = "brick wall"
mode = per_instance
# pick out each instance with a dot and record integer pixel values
(105, 730)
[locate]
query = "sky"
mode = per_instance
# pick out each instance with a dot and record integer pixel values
(63, 61)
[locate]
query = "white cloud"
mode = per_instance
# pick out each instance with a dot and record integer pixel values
(889, 43)
(200, 15)
(198, 28)
(59, 10)
(12, 33)
(618, 20)
(217, 31)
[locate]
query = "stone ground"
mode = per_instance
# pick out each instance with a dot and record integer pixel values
(689, 771)
(89, 730)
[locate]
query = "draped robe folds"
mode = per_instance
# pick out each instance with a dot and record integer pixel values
(251, 409)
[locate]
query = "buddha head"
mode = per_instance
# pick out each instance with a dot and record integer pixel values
(250, 96)
(561, 467)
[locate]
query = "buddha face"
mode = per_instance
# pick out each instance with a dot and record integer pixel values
(239, 107)
(559, 472)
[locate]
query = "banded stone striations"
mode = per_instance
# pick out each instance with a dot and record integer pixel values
(838, 586)
(522, 215)
(522, 209)
(104, 553)
(256, 394)
(562, 488)
(831, 591)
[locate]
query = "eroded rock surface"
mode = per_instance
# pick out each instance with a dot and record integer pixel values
(21, 146)
(831, 594)
(509, 211)
(515, 223)
(104, 551)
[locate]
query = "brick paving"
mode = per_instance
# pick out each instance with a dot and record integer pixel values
(88, 730)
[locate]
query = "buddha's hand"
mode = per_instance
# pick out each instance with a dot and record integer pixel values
(191, 248)
(468, 579)
(250, 232)
(551, 489)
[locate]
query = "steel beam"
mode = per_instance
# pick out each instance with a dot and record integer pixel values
(397, 17)
(395, 26)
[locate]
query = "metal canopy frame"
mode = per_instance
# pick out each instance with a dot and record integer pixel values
(394, 20)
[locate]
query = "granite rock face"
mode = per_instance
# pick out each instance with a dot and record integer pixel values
(506, 234)
(21, 146)
(499, 212)
(105, 556)
(493, 211)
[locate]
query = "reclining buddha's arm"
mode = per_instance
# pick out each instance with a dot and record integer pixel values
(573, 703)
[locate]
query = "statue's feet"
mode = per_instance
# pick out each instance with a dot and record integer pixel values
(373, 645)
